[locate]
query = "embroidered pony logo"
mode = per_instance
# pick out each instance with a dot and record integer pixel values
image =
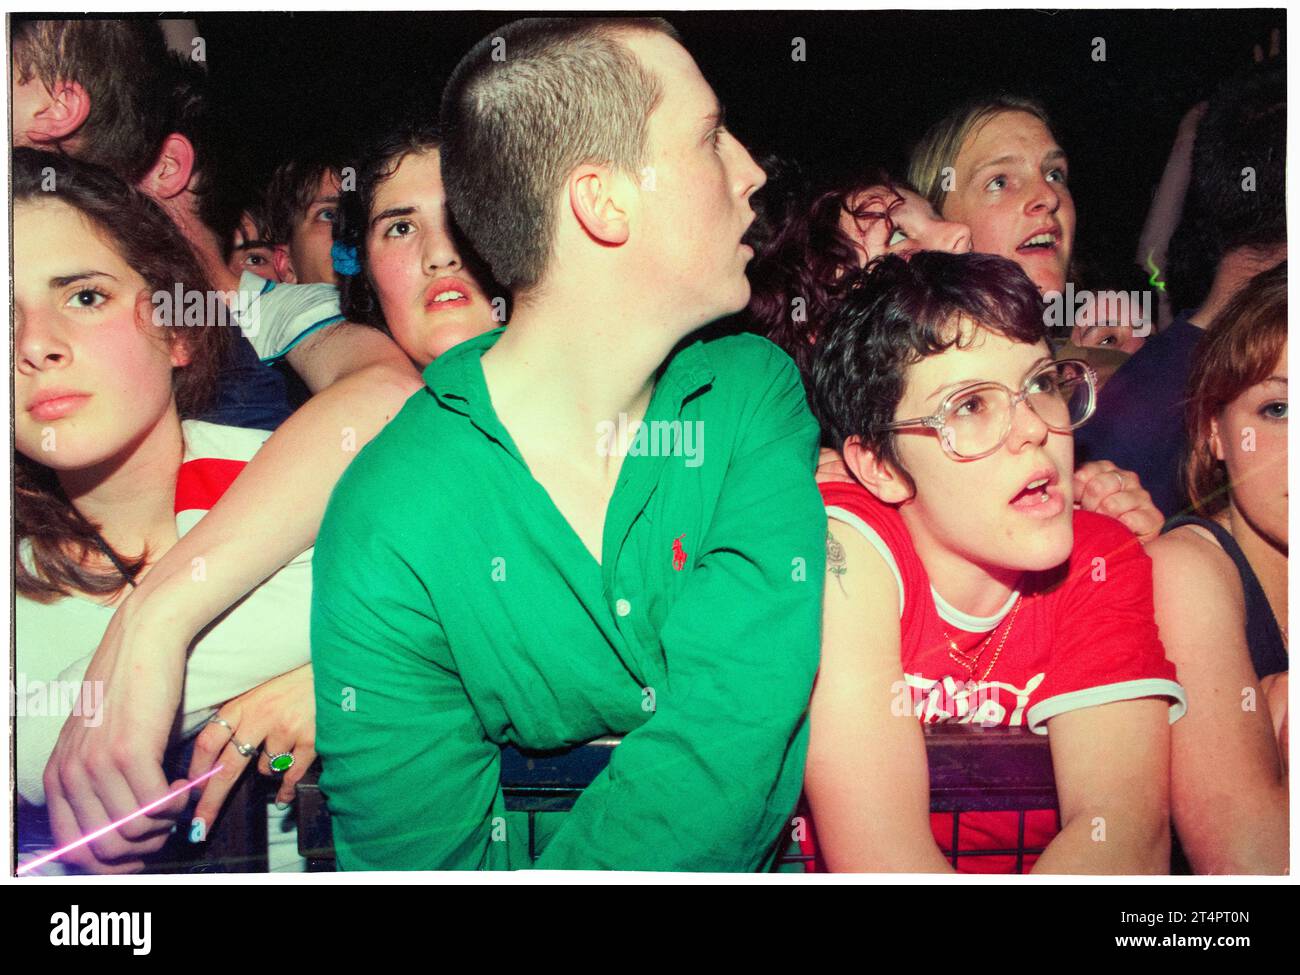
(679, 554)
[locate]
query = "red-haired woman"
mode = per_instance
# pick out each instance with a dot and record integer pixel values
(1221, 593)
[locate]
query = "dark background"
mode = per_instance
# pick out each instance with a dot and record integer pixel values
(872, 82)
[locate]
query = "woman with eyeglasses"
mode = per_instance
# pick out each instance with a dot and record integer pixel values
(962, 586)
(801, 276)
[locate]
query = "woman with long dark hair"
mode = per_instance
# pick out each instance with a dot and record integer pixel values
(110, 471)
(798, 278)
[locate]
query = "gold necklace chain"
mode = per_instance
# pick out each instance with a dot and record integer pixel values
(971, 662)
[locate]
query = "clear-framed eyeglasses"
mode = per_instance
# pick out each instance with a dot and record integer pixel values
(974, 421)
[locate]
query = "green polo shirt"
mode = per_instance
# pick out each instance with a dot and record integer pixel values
(455, 611)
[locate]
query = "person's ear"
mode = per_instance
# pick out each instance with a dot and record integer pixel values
(181, 355)
(158, 318)
(873, 472)
(144, 311)
(596, 200)
(172, 169)
(1216, 441)
(62, 115)
(283, 264)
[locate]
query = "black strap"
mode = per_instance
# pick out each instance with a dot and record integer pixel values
(1263, 635)
(104, 547)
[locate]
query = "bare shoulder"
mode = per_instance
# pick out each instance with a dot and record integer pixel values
(1190, 555)
(862, 568)
(1199, 601)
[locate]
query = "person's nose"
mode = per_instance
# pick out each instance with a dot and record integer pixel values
(439, 252)
(1027, 428)
(38, 344)
(1044, 198)
(750, 177)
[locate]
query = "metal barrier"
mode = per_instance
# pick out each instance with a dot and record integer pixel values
(236, 842)
(989, 770)
(971, 770)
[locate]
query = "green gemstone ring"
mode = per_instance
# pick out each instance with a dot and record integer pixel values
(282, 762)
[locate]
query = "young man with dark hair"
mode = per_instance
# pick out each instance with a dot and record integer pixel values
(963, 586)
(1234, 223)
(269, 515)
(302, 198)
(253, 248)
(497, 568)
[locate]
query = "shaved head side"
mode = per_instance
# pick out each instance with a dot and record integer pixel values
(522, 109)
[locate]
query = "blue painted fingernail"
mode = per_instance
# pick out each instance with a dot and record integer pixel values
(198, 830)
(282, 806)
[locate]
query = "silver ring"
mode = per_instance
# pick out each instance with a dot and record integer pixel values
(248, 751)
(1121, 479)
(217, 719)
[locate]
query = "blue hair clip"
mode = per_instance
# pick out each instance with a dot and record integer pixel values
(344, 257)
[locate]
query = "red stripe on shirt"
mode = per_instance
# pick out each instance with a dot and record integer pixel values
(201, 483)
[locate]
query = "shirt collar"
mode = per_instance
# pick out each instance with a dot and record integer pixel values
(688, 371)
(456, 378)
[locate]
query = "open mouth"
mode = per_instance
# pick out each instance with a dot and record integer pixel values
(1043, 240)
(446, 295)
(1040, 496)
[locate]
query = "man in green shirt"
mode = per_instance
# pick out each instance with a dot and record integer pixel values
(519, 559)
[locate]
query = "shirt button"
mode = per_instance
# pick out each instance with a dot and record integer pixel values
(623, 607)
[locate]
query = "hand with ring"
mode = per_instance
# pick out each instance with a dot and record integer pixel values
(276, 719)
(1102, 487)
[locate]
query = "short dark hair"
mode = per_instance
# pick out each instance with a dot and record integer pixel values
(896, 313)
(376, 163)
(122, 64)
(195, 114)
(525, 106)
(1244, 128)
(254, 205)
